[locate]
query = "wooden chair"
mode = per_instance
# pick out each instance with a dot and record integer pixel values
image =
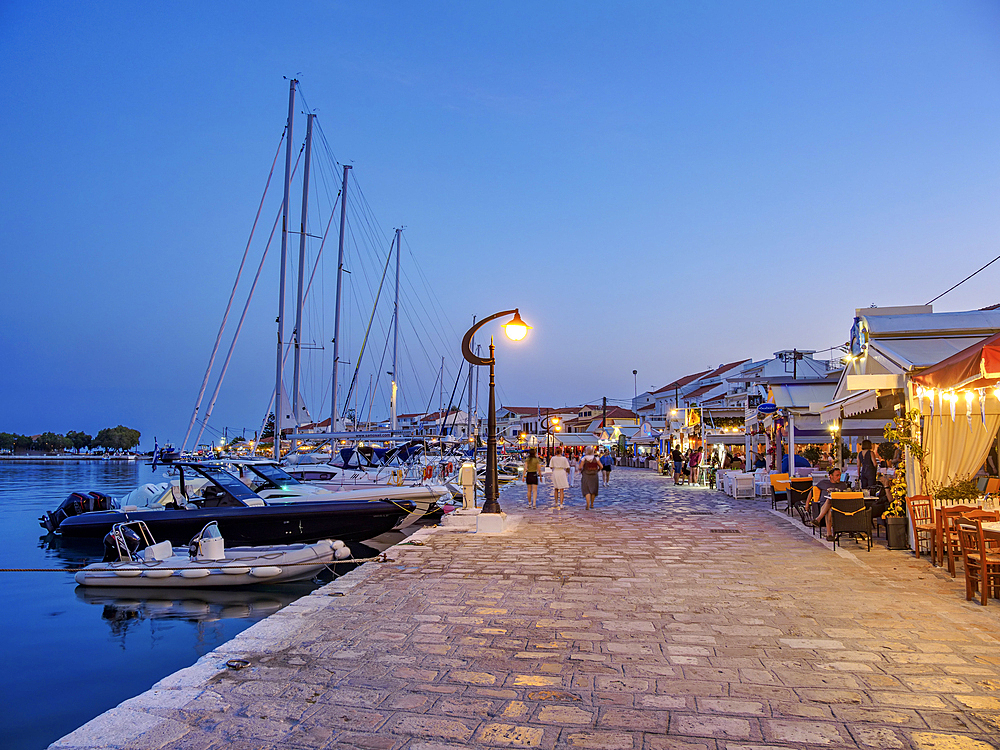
(949, 547)
(850, 516)
(920, 509)
(992, 485)
(779, 489)
(982, 567)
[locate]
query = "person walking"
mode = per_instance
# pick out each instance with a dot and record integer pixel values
(867, 468)
(693, 460)
(560, 476)
(677, 458)
(589, 467)
(532, 466)
(607, 461)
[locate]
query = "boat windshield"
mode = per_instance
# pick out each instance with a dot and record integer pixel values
(275, 475)
(227, 484)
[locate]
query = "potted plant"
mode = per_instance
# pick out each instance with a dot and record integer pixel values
(904, 431)
(895, 514)
(958, 492)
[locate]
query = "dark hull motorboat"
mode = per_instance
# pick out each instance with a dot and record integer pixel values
(243, 517)
(270, 524)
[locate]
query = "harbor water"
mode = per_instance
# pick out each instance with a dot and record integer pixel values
(71, 653)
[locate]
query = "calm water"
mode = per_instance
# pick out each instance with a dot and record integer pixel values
(69, 654)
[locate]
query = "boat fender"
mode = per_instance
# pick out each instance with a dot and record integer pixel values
(235, 570)
(342, 554)
(266, 571)
(338, 544)
(131, 573)
(157, 573)
(195, 573)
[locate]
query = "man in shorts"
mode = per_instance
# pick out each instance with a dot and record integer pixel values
(678, 460)
(607, 461)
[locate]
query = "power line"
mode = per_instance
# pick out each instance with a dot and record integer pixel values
(965, 279)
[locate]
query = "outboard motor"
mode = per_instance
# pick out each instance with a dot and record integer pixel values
(74, 505)
(120, 544)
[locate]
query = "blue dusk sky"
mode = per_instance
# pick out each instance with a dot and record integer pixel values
(658, 186)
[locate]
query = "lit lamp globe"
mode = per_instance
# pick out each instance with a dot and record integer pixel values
(517, 329)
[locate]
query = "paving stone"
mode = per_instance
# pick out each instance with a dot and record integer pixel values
(510, 735)
(600, 740)
(564, 715)
(799, 733)
(710, 726)
(934, 741)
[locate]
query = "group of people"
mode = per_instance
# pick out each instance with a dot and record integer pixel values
(869, 479)
(590, 466)
(685, 464)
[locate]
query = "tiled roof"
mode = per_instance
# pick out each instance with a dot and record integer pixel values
(700, 391)
(725, 368)
(681, 382)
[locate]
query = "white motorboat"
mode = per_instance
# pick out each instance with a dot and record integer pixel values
(275, 486)
(134, 560)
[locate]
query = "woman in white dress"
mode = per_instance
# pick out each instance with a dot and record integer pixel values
(560, 476)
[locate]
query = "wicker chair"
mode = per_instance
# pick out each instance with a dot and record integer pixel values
(982, 566)
(851, 517)
(921, 512)
(779, 489)
(814, 507)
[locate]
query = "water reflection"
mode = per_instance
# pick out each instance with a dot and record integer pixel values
(123, 610)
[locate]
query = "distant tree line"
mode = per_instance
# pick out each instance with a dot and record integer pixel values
(118, 438)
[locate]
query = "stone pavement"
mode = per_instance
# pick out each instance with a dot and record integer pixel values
(667, 618)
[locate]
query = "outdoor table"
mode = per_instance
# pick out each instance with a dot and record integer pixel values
(991, 531)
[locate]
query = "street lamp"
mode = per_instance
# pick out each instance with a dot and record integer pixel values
(550, 425)
(516, 330)
(635, 384)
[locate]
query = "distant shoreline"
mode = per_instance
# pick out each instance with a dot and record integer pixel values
(62, 459)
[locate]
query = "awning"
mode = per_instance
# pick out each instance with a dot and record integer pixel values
(576, 440)
(734, 438)
(976, 366)
(849, 406)
(801, 396)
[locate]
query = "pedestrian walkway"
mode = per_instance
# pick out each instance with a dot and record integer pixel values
(665, 619)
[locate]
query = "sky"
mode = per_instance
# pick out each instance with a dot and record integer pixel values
(657, 186)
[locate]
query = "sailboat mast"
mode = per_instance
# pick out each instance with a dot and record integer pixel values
(336, 317)
(393, 422)
(297, 333)
(281, 282)
(468, 427)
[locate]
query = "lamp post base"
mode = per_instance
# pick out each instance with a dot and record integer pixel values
(491, 523)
